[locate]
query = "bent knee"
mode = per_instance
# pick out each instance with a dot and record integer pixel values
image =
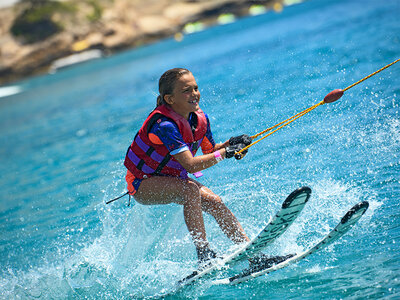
(191, 189)
(208, 196)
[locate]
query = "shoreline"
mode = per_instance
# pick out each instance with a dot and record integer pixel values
(122, 26)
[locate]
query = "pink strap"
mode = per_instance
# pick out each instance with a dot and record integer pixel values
(218, 156)
(198, 174)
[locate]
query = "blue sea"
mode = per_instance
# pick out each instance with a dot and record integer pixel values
(63, 138)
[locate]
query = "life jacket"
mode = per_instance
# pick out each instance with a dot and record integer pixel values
(145, 159)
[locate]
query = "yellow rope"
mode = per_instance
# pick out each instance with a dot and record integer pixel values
(300, 114)
(283, 124)
(365, 78)
(293, 117)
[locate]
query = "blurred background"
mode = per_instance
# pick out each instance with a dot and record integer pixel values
(36, 34)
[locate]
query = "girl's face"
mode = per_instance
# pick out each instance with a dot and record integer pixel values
(185, 96)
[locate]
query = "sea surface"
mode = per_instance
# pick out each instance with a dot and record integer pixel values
(63, 138)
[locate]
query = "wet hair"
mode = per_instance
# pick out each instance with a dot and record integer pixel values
(167, 83)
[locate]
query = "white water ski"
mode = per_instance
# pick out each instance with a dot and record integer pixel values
(290, 210)
(348, 220)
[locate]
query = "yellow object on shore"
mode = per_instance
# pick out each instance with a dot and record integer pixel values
(257, 9)
(193, 27)
(278, 7)
(178, 36)
(80, 46)
(226, 19)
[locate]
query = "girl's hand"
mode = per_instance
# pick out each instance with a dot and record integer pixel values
(231, 150)
(240, 139)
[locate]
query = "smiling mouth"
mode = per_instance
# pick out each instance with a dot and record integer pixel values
(194, 101)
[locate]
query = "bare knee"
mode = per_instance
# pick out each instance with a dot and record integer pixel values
(191, 193)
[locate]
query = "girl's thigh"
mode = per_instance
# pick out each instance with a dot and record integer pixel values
(165, 190)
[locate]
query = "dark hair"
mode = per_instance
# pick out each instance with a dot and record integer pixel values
(167, 82)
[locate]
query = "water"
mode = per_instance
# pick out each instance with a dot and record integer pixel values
(63, 138)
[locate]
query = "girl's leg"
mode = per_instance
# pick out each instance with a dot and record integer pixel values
(212, 204)
(165, 190)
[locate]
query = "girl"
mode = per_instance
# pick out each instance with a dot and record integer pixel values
(162, 154)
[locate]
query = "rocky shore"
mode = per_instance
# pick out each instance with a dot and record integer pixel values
(119, 25)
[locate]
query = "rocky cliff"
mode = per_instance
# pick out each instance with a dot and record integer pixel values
(109, 25)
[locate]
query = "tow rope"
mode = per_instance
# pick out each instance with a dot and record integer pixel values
(329, 98)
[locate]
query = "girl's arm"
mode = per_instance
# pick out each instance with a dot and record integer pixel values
(221, 146)
(199, 163)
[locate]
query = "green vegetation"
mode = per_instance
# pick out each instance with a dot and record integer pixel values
(97, 11)
(40, 19)
(35, 22)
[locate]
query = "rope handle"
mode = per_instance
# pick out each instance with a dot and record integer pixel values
(329, 98)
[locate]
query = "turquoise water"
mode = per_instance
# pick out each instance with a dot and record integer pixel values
(64, 137)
